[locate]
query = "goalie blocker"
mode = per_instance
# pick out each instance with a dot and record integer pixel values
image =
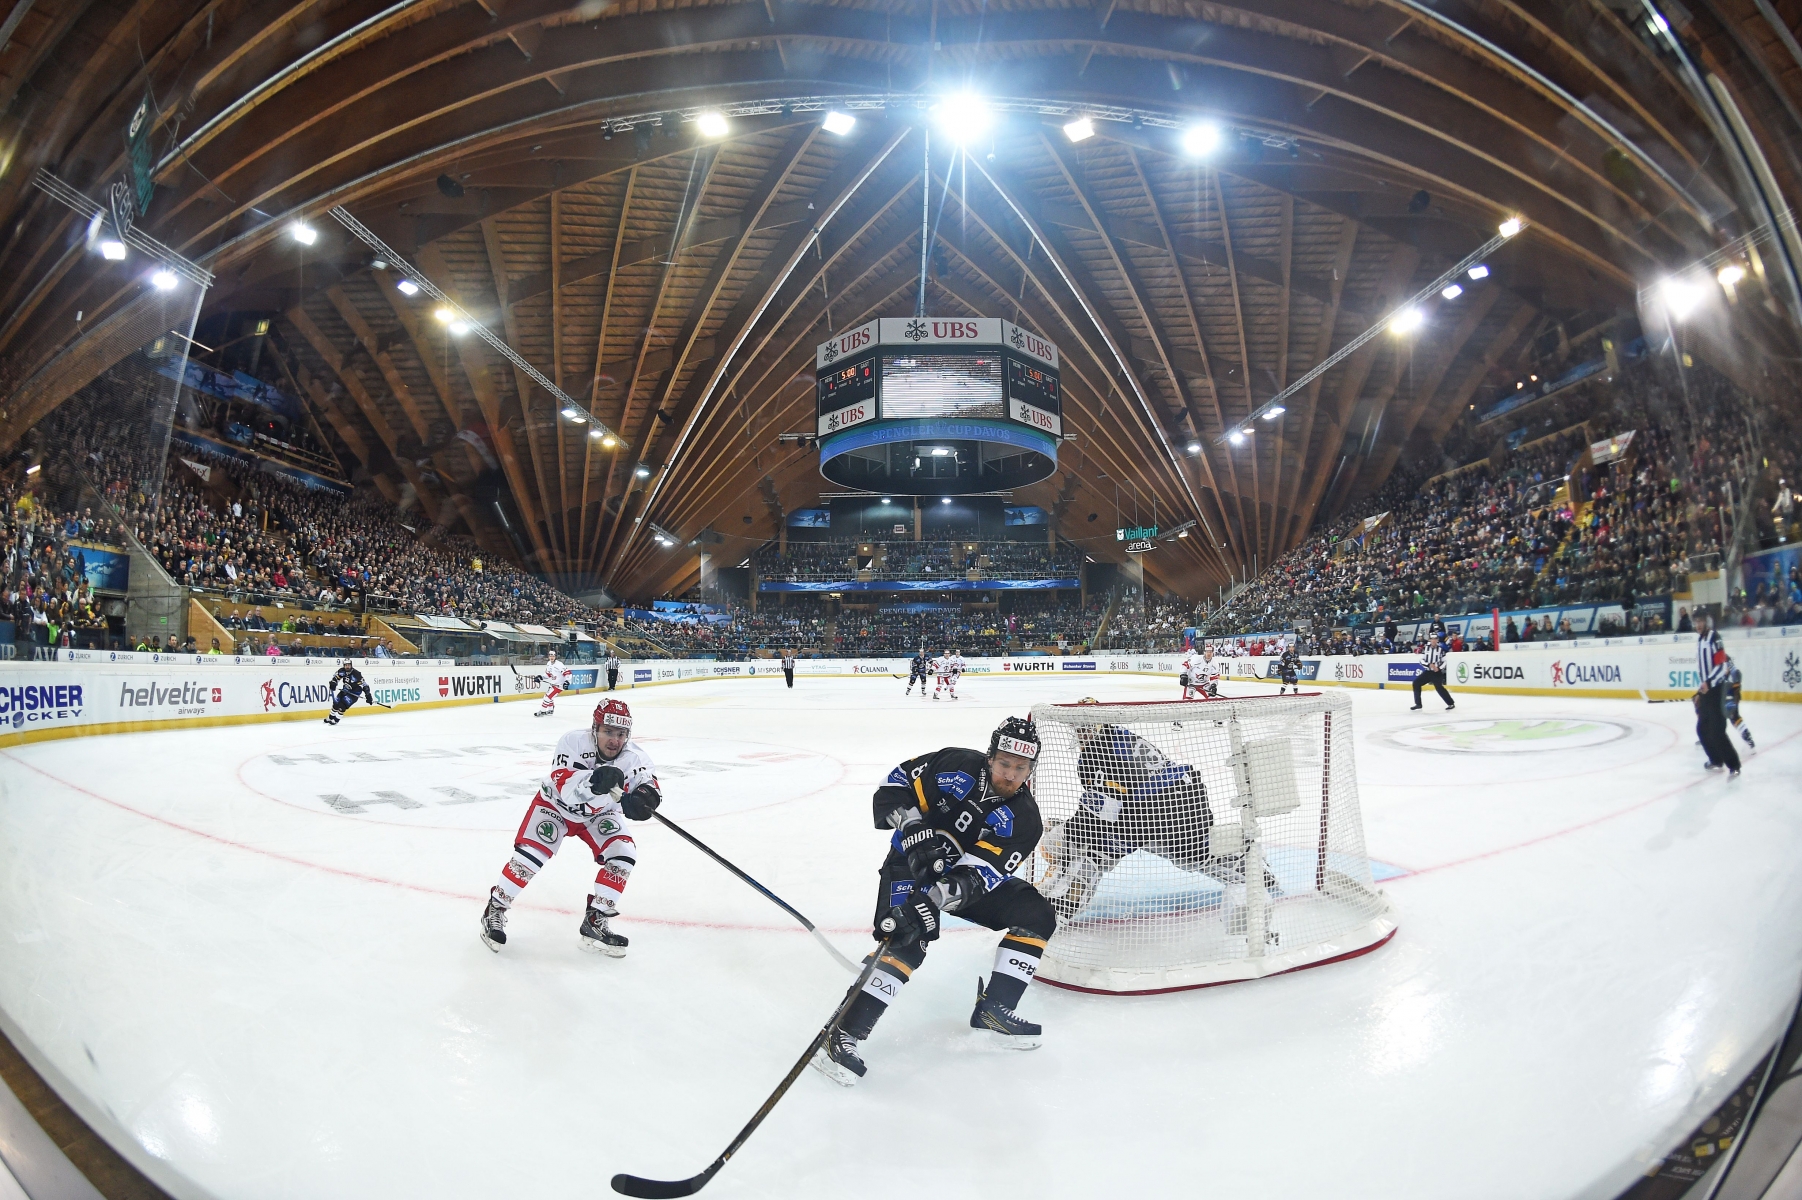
(1189, 844)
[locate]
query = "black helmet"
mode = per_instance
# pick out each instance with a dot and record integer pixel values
(1015, 735)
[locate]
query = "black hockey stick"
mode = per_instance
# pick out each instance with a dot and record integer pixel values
(778, 901)
(633, 1185)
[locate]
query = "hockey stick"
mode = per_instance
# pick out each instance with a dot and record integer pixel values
(780, 903)
(633, 1185)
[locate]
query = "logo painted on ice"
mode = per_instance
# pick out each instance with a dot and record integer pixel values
(1513, 736)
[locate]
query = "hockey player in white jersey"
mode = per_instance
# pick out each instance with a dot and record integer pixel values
(941, 673)
(556, 678)
(954, 669)
(1200, 675)
(599, 779)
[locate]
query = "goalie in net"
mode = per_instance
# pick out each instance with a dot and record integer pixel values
(1190, 843)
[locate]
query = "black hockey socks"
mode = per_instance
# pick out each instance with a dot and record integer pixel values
(1016, 962)
(879, 991)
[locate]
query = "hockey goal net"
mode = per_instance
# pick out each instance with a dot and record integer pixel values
(1198, 842)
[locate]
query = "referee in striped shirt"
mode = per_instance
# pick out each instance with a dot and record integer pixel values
(1713, 667)
(1432, 670)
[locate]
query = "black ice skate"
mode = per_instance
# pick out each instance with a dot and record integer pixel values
(600, 939)
(837, 1060)
(1002, 1023)
(331, 718)
(494, 924)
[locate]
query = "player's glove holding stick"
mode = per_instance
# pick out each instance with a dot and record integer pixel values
(929, 853)
(639, 803)
(915, 920)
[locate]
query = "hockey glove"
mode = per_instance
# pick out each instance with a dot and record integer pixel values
(639, 803)
(929, 853)
(957, 889)
(916, 920)
(604, 779)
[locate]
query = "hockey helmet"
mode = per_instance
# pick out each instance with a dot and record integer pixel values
(613, 714)
(1015, 735)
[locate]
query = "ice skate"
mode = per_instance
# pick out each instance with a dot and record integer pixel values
(837, 1060)
(494, 924)
(1747, 735)
(1004, 1025)
(600, 939)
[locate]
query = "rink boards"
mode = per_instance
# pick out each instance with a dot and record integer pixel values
(40, 701)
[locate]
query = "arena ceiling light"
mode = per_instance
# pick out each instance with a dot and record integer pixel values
(1478, 272)
(303, 233)
(459, 328)
(643, 472)
(1452, 291)
(443, 315)
(1407, 321)
(112, 250)
(1681, 297)
(1510, 227)
(1201, 140)
(163, 279)
(1080, 130)
(1272, 413)
(609, 441)
(595, 435)
(406, 287)
(1236, 437)
(839, 123)
(712, 124)
(1730, 274)
(1194, 447)
(944, 499)
(964, 115)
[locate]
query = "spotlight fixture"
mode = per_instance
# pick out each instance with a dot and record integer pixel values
(444, 315)
(459, 328)
(1406, 321)
(1730, 274)
(112, 250)
(609, 441)
(163, 280)
(1236, 437)
(1272, 413)
(1680, 296)
(1194, 447)
(944, 499)
(839, 123)
(34, 468)
(1452, 292)
(572, 413)
(303, 233)
(1080, 130)
(1201, 140)
(887, 500)
(1478, 272)
(712, 124)
(1510, 227)
(406, 287)
(1533, 379)
(595, 435)
(378, 264)
(643, 472)
(964, 115)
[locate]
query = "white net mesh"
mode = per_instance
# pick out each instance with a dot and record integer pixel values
(1198, 842)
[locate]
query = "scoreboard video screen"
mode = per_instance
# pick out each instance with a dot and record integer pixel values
(941, 385)
(1035, 385)
(847, 385)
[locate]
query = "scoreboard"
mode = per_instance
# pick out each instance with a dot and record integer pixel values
(941, 368)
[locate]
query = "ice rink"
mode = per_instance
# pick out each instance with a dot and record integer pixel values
(249, 956)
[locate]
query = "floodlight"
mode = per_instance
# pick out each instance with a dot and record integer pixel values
(1194, 447)
(1510, 227)
(459, 328)
(839, 123)
(1080, 130)
(1478, 272)
(1730, 274)
(1452, 292)
(1201, 139)
(163, 280)
(113, 250)
(406, 287)
(1275, 411)
(444, 315)
(1680, 296)
(1406, 321)
(303, 233)
(1236, 437)
(643, 472)
(964, 115)
(712, 124)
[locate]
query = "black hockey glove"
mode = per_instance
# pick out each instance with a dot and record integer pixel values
(957, 889)
(929, 853)
(604, 779)
(639, 803)
(917, 920)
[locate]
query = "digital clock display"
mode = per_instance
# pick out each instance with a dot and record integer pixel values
(846, 385)
(1035, 385)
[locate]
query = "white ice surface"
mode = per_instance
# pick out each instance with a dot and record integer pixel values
(275, 999)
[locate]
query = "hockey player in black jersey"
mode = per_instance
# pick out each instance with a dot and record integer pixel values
(917, 670)
(963, 822)
(1288, 668)
(345, 687)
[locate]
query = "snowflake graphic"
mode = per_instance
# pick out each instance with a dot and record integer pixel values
(831, 351)
(916, 331)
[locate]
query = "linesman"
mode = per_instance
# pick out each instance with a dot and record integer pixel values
(1432, 670)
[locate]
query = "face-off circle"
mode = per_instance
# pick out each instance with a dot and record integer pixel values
(1512, 735)
(449, 783)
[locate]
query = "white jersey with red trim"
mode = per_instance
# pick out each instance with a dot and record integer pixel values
(576, 752)
(1208, 670)
(957, 665)
(941, 666)
(556, 674)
